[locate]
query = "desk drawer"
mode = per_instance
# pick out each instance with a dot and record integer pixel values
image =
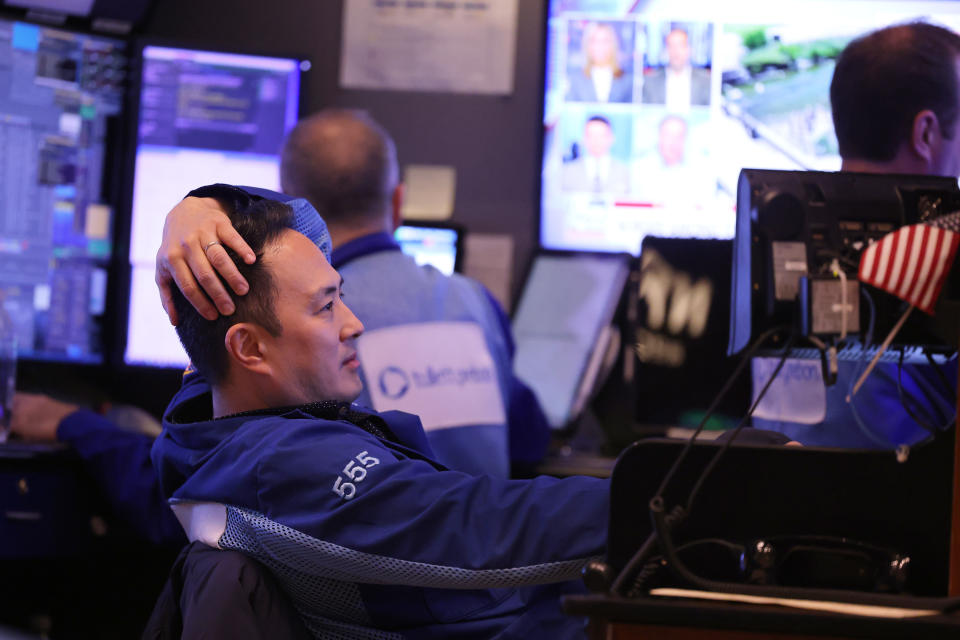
(42, 513)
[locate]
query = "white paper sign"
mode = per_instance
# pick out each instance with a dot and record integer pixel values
(417, 45)
(441, 371)
(428, 191)
(796, 395)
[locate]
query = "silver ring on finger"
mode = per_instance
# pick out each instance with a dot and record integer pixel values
(210, 244)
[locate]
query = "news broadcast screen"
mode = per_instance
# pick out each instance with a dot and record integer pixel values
(651, 109)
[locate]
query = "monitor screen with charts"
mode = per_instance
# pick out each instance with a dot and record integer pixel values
(61, 97)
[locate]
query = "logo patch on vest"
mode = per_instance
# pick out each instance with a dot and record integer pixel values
(440, 371)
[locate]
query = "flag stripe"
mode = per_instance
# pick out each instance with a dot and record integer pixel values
(888, 250)
(903, 241)
(877, 255)
(926, 267)
(917, 234)
(925, 247)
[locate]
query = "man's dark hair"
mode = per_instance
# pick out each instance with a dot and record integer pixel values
(884, 79)
(259, 222)
(598, 118)
(343, 162)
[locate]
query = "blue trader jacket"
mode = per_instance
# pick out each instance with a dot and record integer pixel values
(366, 531)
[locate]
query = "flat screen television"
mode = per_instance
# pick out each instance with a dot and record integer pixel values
(651, 109)
(203, 117)
(61, 98)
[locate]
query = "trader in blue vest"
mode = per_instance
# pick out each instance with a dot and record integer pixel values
(437, 346)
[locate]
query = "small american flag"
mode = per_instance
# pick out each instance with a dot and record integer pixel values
(913, 261)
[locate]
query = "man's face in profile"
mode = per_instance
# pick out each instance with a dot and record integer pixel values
(314, 357)
(672, 141)
(597, 138)
(678, 49)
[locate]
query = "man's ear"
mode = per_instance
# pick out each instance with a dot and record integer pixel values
(396, 201)
(246, 347)
(926, 138)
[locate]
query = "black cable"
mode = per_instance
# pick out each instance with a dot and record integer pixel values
(678, 513)
(882, 442)
(924, 392)
(726, 445)
(906, 399)
(949, 388)
(747, 356)
(641, 554)
(662, 531)
(656, 562)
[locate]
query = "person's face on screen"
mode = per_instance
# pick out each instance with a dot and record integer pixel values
(597, 138)
(314, 357)
(672, 141)
(678, 49)
(601, 46)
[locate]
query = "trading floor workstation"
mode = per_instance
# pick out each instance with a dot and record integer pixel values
(752, 336)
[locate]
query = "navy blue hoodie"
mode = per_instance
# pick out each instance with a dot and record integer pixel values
(420, 550)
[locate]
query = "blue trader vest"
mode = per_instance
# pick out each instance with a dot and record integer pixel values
(434, 345)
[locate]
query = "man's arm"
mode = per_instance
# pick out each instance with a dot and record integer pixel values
(350, 490)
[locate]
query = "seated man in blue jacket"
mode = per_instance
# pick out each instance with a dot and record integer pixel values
(345, 164)
(349, 509)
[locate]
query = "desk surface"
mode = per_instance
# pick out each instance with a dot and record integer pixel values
(759, 620)
(19, 449)
(566, 462)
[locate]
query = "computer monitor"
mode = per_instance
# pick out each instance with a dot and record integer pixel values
(437, 244)
(792, 225)
(562, 326)
(637, 142)
(61, 95)
(203, 117)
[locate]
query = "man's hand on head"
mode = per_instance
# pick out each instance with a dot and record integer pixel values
(192, 254)
(37, 417)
